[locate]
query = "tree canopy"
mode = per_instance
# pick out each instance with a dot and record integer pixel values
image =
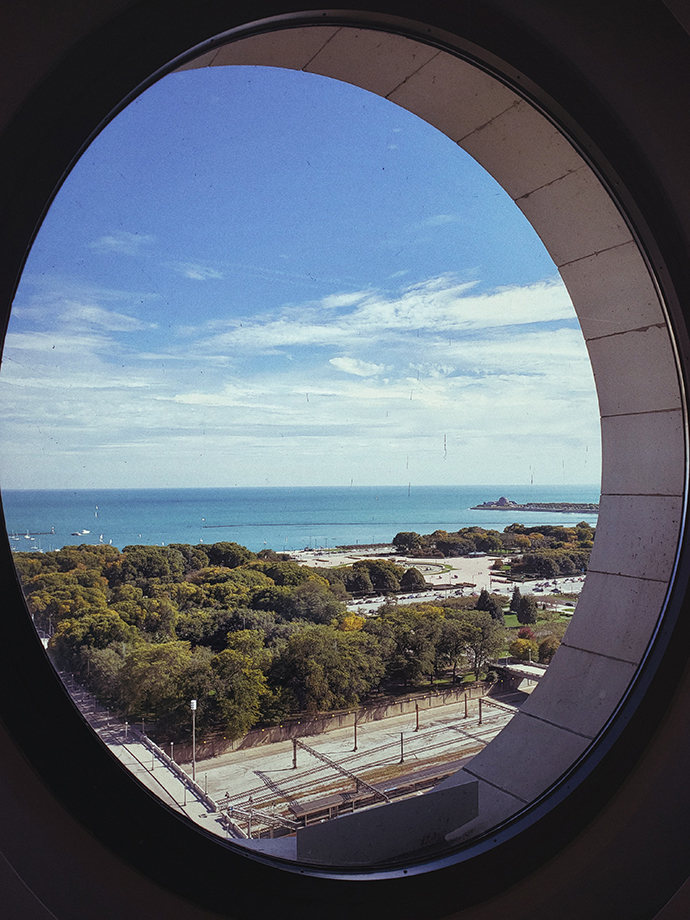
(252, 639)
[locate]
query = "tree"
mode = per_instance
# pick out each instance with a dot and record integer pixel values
(407, 541)
(357, 581)
(547, 648)
(527, 612)
(325, 668)
(491, 605)
(484, 600)
(313, 600)
(515, 600)
(524, 649)
(385, 575)
(239, 670)
(228, 554)
(139, 564)
(485, 639)
(490, 542)
(413, 580)
(100, 671)
(194, 556)
(98, 630)
(288, 574)
(496, 611)
(351, 623)
(453, 642)
(408, 638)
(151, 680)
(525, 633)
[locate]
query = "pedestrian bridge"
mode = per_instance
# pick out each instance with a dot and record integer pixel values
(518, 675)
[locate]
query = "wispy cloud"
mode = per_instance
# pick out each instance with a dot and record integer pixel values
(502, 375)
(333, 301)
(440, 307)
(195, 271)
(357, 367)
(83, 314)
(57, 342)
(441, 220)
(123, 243)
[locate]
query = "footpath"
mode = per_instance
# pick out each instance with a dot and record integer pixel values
(148, 763)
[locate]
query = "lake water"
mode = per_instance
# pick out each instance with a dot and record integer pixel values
(280, 518)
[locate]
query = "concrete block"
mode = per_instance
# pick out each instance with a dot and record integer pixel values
(612, 291)
(522, 150)
(616, 615)
(380, 60)
(527, 757)
(580, 690)
(643, 453)
(574, 217)
(289, 48)
(495, 806)
(635, 372)
(637, 535)
(454, 96)
(378, 834)
(280, 847)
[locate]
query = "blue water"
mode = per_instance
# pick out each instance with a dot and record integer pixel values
(280, 518)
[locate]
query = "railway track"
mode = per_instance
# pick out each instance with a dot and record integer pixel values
(320, 791)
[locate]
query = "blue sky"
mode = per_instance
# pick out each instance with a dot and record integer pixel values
(256, 276)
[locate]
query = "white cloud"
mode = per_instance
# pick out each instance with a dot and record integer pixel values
(343, 300)
(381, 376)
(197, 272)
(431, 309)
(89, 314)
(357, 367)
(122, 243)
(59, 342)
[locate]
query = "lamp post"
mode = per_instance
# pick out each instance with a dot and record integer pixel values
(193, 708)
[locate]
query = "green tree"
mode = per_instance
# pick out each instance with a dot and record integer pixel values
(98, 630)
(407, 541)
(313, 600)
(325, 668)
(158, 680)
(228, 555)
(496, 611)
(358, 582)
(241, 682)
(100, 670)
(484, 600)
(408, 637)
(547, 648)
(413, 580)
(515, 600)
(195, 557)
(527, 612)
(485, 639)
(385, 575)
(141, 564)
(453, 642)
(288, 574)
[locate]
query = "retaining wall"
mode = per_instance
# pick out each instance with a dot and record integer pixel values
(305, 725)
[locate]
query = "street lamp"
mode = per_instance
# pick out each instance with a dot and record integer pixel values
(193, 708)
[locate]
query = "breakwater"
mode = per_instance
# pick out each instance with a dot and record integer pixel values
(504, 504)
